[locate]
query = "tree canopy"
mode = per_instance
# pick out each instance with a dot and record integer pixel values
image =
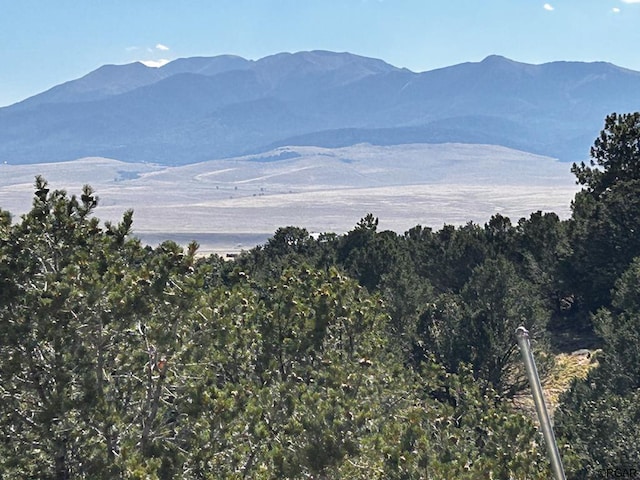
(369, 354)
(615, 155)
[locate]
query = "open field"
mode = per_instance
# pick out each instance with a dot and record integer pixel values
(233, 204)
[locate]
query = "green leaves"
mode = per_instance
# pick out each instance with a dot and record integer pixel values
(598, 415)
(605, 218)
(615, 155)
(295, 361)
(477, 326)
(79, 382)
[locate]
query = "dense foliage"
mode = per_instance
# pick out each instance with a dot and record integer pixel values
(365, 355)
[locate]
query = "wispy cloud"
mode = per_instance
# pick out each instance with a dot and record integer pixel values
(630, 1)
(155, 63)
(548, 7)
(615, 10)
(151, 54)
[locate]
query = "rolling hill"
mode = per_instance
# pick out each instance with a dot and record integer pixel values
(231, 204)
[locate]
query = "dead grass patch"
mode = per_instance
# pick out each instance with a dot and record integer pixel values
(567, 367)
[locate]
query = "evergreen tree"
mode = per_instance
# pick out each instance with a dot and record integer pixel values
(598, 417)
(92, 322)
(476, 327)
(53, 312)
(606, 216)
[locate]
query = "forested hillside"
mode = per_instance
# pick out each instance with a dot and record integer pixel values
(366, 355)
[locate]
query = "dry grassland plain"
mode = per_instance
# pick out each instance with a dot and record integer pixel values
(234, 204)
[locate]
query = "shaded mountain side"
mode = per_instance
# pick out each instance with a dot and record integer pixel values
(474, 130)
(200, 108)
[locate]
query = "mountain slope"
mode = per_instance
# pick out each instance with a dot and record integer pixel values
(199, 109)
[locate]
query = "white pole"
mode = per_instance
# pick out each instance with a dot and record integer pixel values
(538, 397)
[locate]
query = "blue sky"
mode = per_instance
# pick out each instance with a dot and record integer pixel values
(47, 42)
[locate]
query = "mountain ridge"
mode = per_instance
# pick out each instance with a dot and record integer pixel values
(202, 108)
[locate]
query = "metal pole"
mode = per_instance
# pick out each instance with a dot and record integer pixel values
(541, 409)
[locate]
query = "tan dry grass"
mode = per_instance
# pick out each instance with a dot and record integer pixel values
(322, 190)
(567, 367)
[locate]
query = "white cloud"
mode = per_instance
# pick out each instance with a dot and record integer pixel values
(155, 63)
(162, 47)
(630, 1)
(548, 7)
(615, 10)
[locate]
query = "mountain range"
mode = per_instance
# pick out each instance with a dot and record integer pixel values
(204, 108)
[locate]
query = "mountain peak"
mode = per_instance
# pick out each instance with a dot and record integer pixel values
(327, 69)
(206, 65)
(324, 59)
(495, 58)
(107, 80)
(499, 60)
(200, 108)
